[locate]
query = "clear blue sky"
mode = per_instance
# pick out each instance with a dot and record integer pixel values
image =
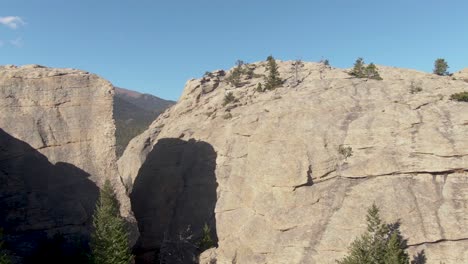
(156, 46)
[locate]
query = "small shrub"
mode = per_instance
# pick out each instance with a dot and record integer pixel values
(235, 78)
(229, 98)
(208, 74)
(346, 152)
(259, 88)
(415, 88)
(227, 116)
(461, 97)
(206, 241)
(371, 72)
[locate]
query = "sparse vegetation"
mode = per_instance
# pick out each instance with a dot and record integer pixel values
(296, 65)
(249, 71)
(346, 152)
(372, 72)
(229, 98)
(324, 65)
(206, 241)
(178, 249)
(440, 67)
(414, 88)
(227, 115)
(273, 79)
(361, 71)
(235, 78)
(259, 88)
(358, 69)
(109, 242)
(208, 74)
(381, 244)
(461, 97)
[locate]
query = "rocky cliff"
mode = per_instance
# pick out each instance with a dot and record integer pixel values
(57, 145)
(285, 191)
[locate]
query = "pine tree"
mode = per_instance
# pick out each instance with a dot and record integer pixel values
(372, 73)
(109, 242)
(440, 67)
(361, 71)
(379, 245)
(358, 69)
(4, 258)
(206, 241)
(378, 232)
(359, 251)
(273, 79)
(394, 253)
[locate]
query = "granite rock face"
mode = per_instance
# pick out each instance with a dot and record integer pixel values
(57, 145)
(285, 191)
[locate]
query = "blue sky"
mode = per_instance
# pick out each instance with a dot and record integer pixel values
(156, 46)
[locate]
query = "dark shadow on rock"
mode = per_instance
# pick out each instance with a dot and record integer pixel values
(419, 258)
(173, 196)
(395, 227)
(41, 202)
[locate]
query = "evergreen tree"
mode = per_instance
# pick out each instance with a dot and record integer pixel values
(394, 253)
(4, 258)
(372, 73)
(273, 79)
(358, 69)
(361, 71)
(109, 242)
(440, 67)
(379, 245)
(378, 232)
(206, 241)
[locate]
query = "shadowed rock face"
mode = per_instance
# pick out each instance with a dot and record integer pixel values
(175, 190)
(65, 117)
(40, 200)
(287, 195)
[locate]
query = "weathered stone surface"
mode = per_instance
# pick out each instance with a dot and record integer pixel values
(461, 75)
(57, 145)
(286, 195)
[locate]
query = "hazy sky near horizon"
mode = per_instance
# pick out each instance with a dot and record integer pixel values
(156, 46)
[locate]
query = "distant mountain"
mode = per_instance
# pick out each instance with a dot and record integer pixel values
(133, 113)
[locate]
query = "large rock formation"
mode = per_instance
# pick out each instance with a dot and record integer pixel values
(285, 191)
(57, 146)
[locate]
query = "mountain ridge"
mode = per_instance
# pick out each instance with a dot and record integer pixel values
(133, 113)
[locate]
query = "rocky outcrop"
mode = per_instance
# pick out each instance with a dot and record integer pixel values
(285, 191)
(461, 75)
(57, 146)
